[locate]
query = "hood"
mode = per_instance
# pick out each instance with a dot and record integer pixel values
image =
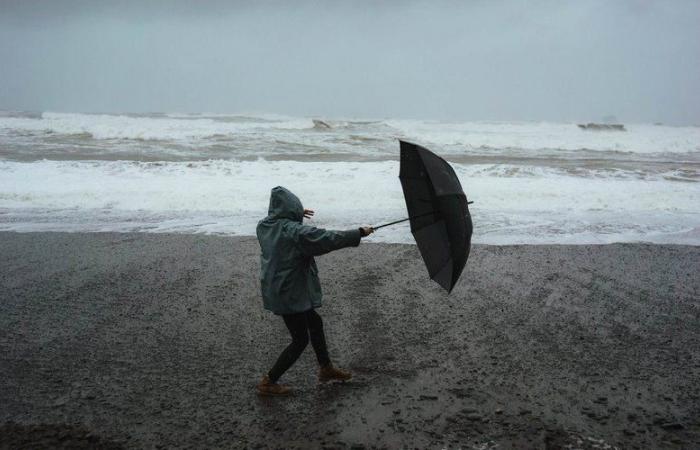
(285, 205)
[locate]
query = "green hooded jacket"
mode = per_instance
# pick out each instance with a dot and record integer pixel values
(288, 272)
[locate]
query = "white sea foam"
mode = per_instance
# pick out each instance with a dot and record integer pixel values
(198, 173)
(513, 204)
(107, 126)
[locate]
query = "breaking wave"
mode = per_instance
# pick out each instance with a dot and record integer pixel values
(361, 136)
(152, 127)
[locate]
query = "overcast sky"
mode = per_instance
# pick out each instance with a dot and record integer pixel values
(479, 60)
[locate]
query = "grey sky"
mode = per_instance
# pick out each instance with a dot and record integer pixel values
(488, 60)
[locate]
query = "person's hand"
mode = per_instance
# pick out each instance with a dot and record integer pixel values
(308, 213)
(366, 231)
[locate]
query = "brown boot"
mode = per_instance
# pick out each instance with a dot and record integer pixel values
(328, 373)
(266, 387)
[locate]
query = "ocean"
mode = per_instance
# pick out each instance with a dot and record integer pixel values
(531, 182)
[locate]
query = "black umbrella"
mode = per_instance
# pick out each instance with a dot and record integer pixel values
(438, 211)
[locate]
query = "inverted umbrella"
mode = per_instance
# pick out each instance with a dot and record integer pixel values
(438, 213)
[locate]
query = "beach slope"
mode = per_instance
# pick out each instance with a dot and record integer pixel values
(138, 340)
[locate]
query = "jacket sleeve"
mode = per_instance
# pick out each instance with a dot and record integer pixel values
(314, 241)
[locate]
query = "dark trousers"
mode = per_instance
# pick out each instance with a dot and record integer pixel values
(301, 326)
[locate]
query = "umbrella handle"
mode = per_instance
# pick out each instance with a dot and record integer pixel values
(408, 218)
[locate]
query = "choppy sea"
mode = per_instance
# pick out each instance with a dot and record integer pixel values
(531, 182)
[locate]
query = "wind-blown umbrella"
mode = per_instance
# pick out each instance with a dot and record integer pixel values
(438, 212)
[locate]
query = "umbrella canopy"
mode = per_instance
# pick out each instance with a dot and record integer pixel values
(438, 211)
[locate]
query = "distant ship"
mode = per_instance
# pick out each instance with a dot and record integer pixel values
(602, 126)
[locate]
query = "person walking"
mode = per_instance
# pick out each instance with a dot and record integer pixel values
(290, 284)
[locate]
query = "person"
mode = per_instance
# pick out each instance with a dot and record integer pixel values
(290, 284)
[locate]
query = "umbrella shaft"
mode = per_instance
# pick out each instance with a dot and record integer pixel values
(408, 218)
(403, 220)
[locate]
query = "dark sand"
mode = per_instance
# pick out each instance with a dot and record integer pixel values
(158, 340)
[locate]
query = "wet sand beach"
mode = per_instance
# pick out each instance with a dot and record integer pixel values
(153, 340)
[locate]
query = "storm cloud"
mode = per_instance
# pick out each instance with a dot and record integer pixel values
(515, 60)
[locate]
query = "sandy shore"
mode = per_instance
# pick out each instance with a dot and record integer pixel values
(141, 340)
